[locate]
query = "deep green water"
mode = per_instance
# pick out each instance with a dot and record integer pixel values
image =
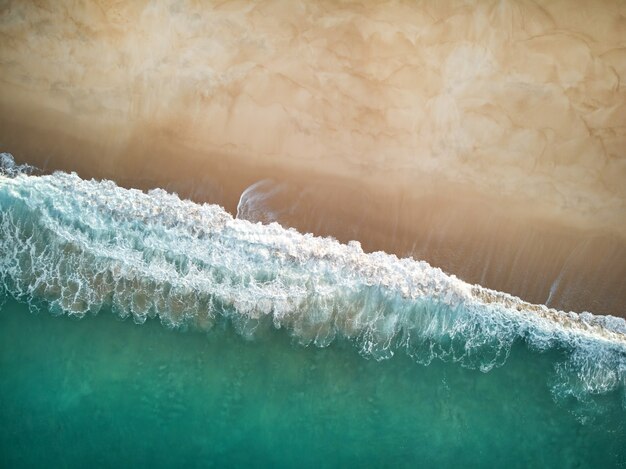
(101, 392)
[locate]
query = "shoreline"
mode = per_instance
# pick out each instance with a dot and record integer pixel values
(290, 254)
(481, 239)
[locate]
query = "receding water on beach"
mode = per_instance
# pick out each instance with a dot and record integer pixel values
(100, 391)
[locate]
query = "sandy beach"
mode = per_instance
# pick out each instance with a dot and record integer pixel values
(486, 138)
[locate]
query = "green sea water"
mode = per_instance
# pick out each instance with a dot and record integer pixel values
(103, 392)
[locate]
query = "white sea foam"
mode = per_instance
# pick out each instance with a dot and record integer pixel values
(83, 245)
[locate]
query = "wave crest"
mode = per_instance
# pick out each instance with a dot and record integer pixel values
(83, 245)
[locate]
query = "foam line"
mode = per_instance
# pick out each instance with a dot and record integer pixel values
(83, 245)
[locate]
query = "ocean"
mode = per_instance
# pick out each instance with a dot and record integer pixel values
(139, 328)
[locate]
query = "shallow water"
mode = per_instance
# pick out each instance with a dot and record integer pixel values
(104, 392)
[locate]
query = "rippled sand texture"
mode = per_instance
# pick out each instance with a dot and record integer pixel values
(520, 103)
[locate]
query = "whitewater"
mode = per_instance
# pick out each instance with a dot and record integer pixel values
(78, 246)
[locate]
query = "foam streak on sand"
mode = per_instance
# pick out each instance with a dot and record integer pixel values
(83, 245)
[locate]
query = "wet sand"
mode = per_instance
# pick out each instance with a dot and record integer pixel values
(486, 139)
(496, 242)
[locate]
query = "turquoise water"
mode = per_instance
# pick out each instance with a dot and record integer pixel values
(101, 392)
(141, 329)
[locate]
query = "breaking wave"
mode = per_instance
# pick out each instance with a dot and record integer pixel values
(79, 246)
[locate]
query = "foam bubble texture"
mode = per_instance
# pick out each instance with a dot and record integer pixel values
(82, 245)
